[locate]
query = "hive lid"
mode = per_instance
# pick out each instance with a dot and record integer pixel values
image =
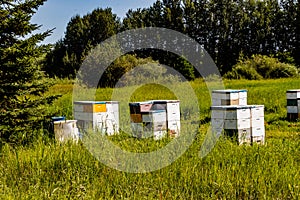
(234, 107)
(65, 121)
(227, 91)
(139, 103)
(89, 102)
(112, 102)
(154, 102)
(256, 106)
(231, 107)
(134, 104)
(293, 91)
(165, 101)
(60, 118)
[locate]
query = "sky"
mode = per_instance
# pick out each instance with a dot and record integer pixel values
(57, 13)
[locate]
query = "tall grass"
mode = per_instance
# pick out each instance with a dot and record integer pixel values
(56, 171)
(48, 170)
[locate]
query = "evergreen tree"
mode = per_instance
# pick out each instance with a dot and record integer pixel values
(23, 84)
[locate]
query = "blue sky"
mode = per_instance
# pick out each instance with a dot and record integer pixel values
(57, 13)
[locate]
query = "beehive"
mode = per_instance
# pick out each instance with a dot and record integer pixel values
(240, 122)
(293, 104)
(155, 118)
(229, 97)
(102, 116)
(65, 130)
(257, 124)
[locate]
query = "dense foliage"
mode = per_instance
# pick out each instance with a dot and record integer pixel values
(22, 83)
(227, 28)
(224, 28)
(115, 74)
(258, 67)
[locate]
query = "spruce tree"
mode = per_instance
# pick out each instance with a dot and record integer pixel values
(22, 84)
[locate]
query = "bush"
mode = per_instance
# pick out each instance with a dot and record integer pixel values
(285, 57)
(243, 72)
(261, 66)
(283, 71)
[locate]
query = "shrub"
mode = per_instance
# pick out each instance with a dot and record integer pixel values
(283, 71)
(261, 66)
(243, 72)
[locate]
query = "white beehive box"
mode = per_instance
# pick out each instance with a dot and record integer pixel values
(237, 123)
(244, 136)
(100, 116)
(229, 97)
(257, 111)
(258, 131)
(293, 94)
(217, 113)
(155, 116)
(137, 128)
(172, 108)
(243, 101)
(155, 126)
(174, 128)
(230, 112)
(242, 122)
(258, 139)
(240, 135)
(173, 117)
(257, 122)
(292, 109)
(66, 130)
(243, 94)
(112, 106)
(158, 135)
(225, 94)
(217, 123)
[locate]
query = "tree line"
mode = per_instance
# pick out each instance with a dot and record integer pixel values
(226, 29)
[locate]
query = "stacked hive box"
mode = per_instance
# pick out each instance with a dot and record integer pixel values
(257, 124)
(246, 123)
(102, 116)
(234, 120)
(155, 118)
(293, 104)
(146, 122)
(231, 114)
(229, 97)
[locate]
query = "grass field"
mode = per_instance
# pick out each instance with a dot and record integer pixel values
(48, 170)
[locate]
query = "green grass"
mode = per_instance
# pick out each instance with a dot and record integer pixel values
(47, 170)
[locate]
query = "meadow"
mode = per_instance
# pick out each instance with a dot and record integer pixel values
(49, 170)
